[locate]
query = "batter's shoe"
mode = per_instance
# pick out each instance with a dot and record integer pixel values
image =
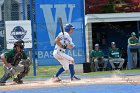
(56, 79)
(75, 78)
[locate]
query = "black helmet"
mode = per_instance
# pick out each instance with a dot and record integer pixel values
(19, 43)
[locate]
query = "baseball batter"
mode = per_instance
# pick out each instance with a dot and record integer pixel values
(63, 42)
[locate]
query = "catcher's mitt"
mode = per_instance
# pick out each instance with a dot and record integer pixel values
(14, 61)
(25, 62)
(17, 58)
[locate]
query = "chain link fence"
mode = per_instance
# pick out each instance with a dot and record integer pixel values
(13, 10)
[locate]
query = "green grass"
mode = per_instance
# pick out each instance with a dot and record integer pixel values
(42, 71)
(49, 71)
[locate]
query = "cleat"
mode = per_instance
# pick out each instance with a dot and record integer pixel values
(75, 78)
(2, 83)
(16, 81)
(56, 79)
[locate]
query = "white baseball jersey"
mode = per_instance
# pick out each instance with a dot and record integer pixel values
(59, 53)
(64, 39)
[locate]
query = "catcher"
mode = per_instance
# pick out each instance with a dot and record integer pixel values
(15, 62)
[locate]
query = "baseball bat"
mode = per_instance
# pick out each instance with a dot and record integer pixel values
(62, 29)
(61, 24)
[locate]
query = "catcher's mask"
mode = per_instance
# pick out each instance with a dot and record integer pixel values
(19, 43)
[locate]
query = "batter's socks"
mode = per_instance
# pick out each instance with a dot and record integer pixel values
(71, 68)
(60, 71)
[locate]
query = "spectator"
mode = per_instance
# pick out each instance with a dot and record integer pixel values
(115, 56)
(132, 41)
(98, 58)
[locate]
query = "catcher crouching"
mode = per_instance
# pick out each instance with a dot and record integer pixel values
(15, 63)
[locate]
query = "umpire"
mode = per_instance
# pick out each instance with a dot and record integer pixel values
(15, 62)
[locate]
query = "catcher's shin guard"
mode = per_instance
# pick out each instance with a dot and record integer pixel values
(21, 75)
(5, 78)
(18, 78)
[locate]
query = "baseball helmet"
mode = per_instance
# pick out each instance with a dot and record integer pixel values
(68, 26)
(19, 43)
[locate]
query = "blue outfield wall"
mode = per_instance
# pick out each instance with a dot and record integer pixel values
(48, 27)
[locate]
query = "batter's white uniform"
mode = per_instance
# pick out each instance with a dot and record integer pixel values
(59, 53)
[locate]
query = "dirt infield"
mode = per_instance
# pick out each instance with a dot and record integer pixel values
(66, 82)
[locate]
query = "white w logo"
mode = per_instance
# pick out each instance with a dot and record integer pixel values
(51, 20)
